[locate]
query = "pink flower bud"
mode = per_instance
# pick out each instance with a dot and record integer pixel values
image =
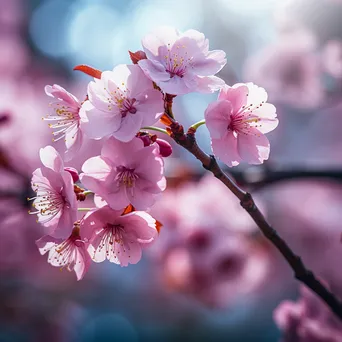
(73, 172)
(137, 56)
(165, 148)
(146, 139)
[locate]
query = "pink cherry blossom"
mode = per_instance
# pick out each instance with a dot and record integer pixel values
(120, 103)
(66, 118)
(204, 251)
(126, 173)
(55, 201)
(237, 122)
(181, 63)
(116, 237)
(307, 320)
(290, 70)
(71, 252)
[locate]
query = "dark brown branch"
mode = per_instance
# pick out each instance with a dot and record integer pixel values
(188, 141)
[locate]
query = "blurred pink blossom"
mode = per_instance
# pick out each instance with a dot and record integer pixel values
(66, 120)
(116, 237)
(289, 71)
(237, 122)
(307, 320)
(120, 103)
(204, 248)
(332, 58)
(55, 201)
(126, 173)
(181, 63)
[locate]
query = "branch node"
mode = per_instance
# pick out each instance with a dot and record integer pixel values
(211, 164)
(247, 203)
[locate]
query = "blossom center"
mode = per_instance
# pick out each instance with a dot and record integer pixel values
(126, 176)
(127, 106)
(245, 119)
(114, 241)
(177, 62)
(48, 203)
(65, 120)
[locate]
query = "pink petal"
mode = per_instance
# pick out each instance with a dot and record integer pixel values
(117, 199)
(198, 37)
(256, 94)
(60, 93)
(130, 126)
(151, 107)
(253, 148)
(140, 197)
(209, 84)
(47, 242)
(226, 149)
(142, 224)
(73, 142)
(213, 62)
(156, 42)
(97, 124)
(51, 158)
(83, 260)
(119, 152)
(130, 255)
(177, 85)
(96, 167)
(154, 70)
(237, 95)
(217, 118)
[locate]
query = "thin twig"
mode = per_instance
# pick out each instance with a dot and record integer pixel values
(188, 141)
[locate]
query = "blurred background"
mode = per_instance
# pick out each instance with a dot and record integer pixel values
(210, 276)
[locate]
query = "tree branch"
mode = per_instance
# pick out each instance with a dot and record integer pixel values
(188, 141)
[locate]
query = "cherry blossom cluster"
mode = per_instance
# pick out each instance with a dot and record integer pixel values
(120, 107)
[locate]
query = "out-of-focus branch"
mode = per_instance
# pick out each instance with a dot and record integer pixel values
(188, 141)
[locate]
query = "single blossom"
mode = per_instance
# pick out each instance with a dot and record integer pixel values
(237, 122)
(126, 173)
(181, 63)
(71, 252)
(66, 119)
(307, 320)
(118, 237)
(204, 252)
(55, 201)
(120, 103)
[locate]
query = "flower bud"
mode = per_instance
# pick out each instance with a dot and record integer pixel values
(165, 149)
(73, 172)
(137, 56)
(146, 139)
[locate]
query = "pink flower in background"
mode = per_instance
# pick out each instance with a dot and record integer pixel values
(66, 119)
(237, 122)
(55, 201)
(181, 63)
(126, 173)
(71, 252)
(204, 249)
(332, 58)
(116, 237)
(307, 320)
(289, 70)
(120, 104)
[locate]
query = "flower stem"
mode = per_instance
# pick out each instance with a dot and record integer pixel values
(152, 128)
(87, 192)
(198, 124)
(85, 209)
